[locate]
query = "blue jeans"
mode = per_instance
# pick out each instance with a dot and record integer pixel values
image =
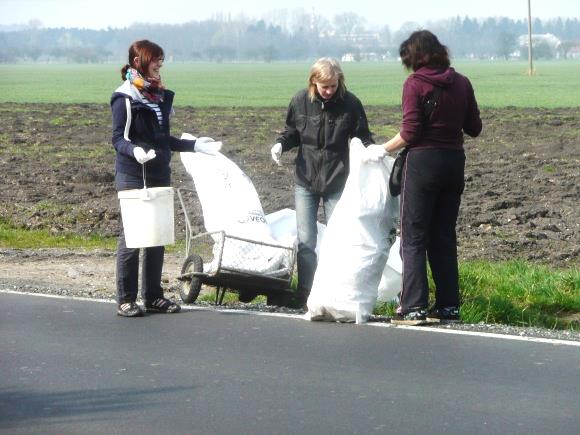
(307, 204)
(128, 258)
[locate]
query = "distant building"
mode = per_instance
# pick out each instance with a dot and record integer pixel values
(547, 44)
(545, 38)
(573, 52)
(366, 46)
(348, 57)
(366, 56)
(360, 38)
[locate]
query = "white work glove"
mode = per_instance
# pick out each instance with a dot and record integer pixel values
(143, 157)
(204, 139)
(207, 145)
(374, 153)
(189, 136)
(276, 152)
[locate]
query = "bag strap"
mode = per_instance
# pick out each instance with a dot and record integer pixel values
(431, 102)
(428, 107)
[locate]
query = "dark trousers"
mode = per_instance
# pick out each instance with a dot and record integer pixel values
(128, 258)
(431, 193)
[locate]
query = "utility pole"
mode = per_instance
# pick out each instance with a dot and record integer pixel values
(531, 67)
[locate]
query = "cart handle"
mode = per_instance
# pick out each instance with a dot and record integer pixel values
(182, 203)
(188, 227)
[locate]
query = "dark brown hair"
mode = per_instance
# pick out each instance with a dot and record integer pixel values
(423, 48)
(146, 52)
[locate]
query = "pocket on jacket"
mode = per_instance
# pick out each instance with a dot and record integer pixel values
(310, 129)
(300, 122)
(340, 128)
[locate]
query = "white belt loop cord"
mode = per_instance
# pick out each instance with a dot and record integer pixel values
(126, 134)
(129, 119)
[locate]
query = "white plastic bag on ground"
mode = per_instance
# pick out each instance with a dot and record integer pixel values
(230, 203)
(391, 281)
(283, 227)
(356, 243)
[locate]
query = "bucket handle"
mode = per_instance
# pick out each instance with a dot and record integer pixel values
(144, 191)
(144, 179)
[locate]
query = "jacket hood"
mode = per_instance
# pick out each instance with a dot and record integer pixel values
(128, 90)
(441, 77)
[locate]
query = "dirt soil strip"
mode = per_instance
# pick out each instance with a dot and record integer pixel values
(520, 201)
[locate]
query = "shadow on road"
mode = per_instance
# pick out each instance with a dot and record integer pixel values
(20, 409)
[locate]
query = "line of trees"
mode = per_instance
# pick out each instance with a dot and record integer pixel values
(280, 37)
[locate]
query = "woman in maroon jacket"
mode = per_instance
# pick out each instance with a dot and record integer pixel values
(432, 181)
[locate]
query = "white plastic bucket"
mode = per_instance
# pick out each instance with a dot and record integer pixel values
(148, 216)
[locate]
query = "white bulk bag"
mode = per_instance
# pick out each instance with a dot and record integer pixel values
(392, 279)
(283, 228)
(356, 243)
(230, 203)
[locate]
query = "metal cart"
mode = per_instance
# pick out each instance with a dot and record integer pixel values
(225, 262)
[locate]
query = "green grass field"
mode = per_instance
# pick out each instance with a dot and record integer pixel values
(497, 84)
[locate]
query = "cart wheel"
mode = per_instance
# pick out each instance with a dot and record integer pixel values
(189, 290)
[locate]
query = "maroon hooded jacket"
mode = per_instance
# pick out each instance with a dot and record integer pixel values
(456, 111)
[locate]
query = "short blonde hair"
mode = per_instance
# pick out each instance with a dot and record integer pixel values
(324, 70)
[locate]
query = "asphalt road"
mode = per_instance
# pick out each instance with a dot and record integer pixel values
(73, 367)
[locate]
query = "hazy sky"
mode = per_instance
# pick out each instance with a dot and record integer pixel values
(98, 14)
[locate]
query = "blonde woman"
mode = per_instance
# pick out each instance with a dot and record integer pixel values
(321, 120)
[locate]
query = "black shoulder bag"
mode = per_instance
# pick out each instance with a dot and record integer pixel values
(397, 172)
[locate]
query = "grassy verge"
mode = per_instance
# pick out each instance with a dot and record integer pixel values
(521, 294)
(511, 293)
(516, 293)
(18, 238)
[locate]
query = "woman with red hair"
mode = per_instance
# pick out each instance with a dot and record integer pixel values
(141, 109)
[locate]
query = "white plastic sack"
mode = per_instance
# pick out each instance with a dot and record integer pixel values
(283, 228)
(355, 247)
(230, 203)
(391, 280)
(282, 225)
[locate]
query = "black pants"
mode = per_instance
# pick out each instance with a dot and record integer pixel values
(128, 258)
(430, 197)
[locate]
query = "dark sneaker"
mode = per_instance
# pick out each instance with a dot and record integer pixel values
(414, 318)
(162, 305)
(129, 309)
(444, 315)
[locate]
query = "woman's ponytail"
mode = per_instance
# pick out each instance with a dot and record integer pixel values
(124, 72)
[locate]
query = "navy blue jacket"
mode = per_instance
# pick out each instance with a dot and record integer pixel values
(135, 124)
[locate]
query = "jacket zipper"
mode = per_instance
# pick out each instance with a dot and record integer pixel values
(321, 142)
